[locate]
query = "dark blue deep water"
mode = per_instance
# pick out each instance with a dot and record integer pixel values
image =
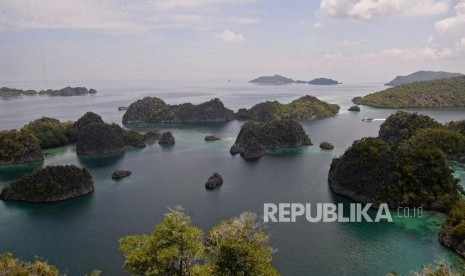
(82, 234)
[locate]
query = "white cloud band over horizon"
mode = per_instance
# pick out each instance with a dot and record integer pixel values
(355, 40)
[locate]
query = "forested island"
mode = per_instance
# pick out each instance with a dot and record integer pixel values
(66, 91)
(53, 183)
(155, 110)
(422, 76)
(304, 108)
(280, 80)
(406, 165)
(323, 81)
(426, 94)
(254, 140)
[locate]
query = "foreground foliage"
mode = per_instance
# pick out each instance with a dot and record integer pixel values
(10, 266)
(237, 246)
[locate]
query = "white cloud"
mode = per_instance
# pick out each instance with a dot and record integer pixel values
(230, 36)
(116, 15)
(370, 9)
(453, 22)
(461, 44)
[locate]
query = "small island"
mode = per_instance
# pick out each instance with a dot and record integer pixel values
(211, 138)
(304, 108)
(325, 145)
(51, 132)
(323, 81)
(272, 80)
(119, 174)
(155, 110)
(52, 183)
(255, 139)
(425, 94)
(214, 181)
(355, 108)
(422, 76)
(17, 147)
(67, 91)
(166, 139)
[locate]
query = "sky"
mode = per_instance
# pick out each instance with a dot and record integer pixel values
(353, 41)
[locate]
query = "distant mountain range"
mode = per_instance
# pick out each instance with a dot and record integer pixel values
(279, 80)
(422, 76)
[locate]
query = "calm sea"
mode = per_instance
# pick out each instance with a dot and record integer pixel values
(82, 234)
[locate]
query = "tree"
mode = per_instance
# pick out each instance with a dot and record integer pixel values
(171, 249)
(14, 267)
(239, 247)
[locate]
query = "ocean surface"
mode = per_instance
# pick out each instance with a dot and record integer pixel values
(82, 234)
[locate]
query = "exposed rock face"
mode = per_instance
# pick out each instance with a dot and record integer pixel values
(67, 91)
(254, 139)
(166, 138)
(155, 110)
(323, 81)
(54, 183)
(253, 150)
(326, 145)
(354, 108)
(211, 138)
(17, 148)
(120, 174)
(373, 171)
(99, 138)
(303, 108)
(214, 181)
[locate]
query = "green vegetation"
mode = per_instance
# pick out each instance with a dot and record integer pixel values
(435, 93)
(422, 76)
(17, 147)
(155, 110)
(10, 266)
(372, 170)
(238, 246)
(52, 183)
(254, 139)
(400, 126)
(452, 143)
(51, 132)
(436, 269)
(307, 107)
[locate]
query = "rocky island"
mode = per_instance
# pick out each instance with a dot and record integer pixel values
(214, 181)
(166, 139)
(67, 91)
(425, 94)
(422, 76)
(272, 80)
(155, 110)
(51, 132)
(373, 171)
(326, 145)
(304, 108)
(119, 174)
(255, 139)
(53, 183)
(17, 147)
(323, 81)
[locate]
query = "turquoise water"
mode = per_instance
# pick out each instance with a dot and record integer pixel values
(82, 234)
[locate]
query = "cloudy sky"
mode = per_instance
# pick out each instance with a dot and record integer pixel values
(350, 40)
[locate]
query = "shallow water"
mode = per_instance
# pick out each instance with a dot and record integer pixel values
(82, 234)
